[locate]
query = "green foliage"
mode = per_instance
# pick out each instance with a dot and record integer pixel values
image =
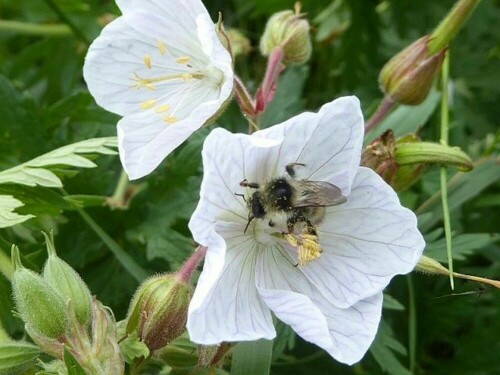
(52, 132)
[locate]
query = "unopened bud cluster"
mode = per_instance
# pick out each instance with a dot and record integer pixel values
(288, 31)
(59, 314)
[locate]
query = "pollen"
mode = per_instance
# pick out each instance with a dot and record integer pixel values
(187, 77)
(183, 60)
(307, 245)
(162, 47)
(148, 104)
(148, 62)
(170, 119)
(162, 108)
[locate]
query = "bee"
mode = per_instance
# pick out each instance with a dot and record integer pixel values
(290, 201)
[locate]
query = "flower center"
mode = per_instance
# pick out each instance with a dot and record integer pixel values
(185, 80)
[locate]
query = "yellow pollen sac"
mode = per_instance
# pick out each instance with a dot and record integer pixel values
(148, 104)
(183, 60)
(307, 245)
(148, 62)
(162, 47)
(170, 119)
(187, 77)
(162, 108)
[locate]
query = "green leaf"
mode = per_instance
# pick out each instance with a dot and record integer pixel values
(461, 188)
(37, 171)
(463, 245)
(384, 348)
(8, 217)
(252, 358)
(72, 365)
(391, 303)
(131, 347)
(17, 355)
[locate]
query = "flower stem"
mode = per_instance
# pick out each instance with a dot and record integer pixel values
(76, 30)
(4, 336)
(267, 90)
(118, 199)
(34, 29)
(451, 24)
(445, 119)
(412, 324)
(126, 260)
(6, 267)
(382, 111)
(188, 268)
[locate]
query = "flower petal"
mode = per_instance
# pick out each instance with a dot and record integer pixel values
(366, 241)
(179, 8)
(328, 143)
(345, 334)
(227, 160)
(226, 305)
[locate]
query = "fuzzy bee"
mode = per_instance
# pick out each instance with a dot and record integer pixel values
(290, 201)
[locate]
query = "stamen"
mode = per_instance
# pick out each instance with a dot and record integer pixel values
(183, 60)
(148, 62)
(149, 82)
(162, 108)
(162, 47)
(148, 104)
(170, 119)
(187, 77)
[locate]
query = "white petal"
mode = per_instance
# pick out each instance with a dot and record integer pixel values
(226, 305)
(185, 9)
(117, 60)
(345, 334)
(227, 160)
(328, 142)
(366, 241)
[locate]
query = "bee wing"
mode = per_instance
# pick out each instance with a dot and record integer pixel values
(318, 193)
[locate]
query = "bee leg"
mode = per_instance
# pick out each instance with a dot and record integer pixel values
(290, 170)
(250, 218)
(311, 229)
(271, 223)
(252, 185)
(241, 195)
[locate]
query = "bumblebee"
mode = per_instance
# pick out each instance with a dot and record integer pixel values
(288, 201)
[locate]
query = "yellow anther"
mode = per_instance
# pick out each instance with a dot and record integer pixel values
(162, 47)
(187, 77)
(148, 62)
(162, 108)
(170, 119)
(148, 104)
(183, 60)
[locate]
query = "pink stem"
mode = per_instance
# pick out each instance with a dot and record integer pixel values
(382, 111)
(190, 265)
(266, 92)
(243, 97)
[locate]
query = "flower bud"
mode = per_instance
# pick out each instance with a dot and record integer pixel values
(287, 30)
(39, 304)
(158, 311)
(408, 77)
(381, 156)
(240, 44)
(16, 356)
(59, 274)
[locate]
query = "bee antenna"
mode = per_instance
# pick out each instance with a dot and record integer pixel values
(250, 218)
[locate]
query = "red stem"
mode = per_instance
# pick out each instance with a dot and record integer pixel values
(266, 92)
(382, 111)
(190, 265)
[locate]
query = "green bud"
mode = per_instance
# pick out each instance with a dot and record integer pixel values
(240, 44)
(59, 274)
(158, 311)
(39, 304)
(289, 31)
(408, 77)
(16, 356)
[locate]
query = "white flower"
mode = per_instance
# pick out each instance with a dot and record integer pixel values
(162, 67)
(333, 301)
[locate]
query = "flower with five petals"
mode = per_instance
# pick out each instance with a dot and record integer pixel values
(332, 299)
(162, 67)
